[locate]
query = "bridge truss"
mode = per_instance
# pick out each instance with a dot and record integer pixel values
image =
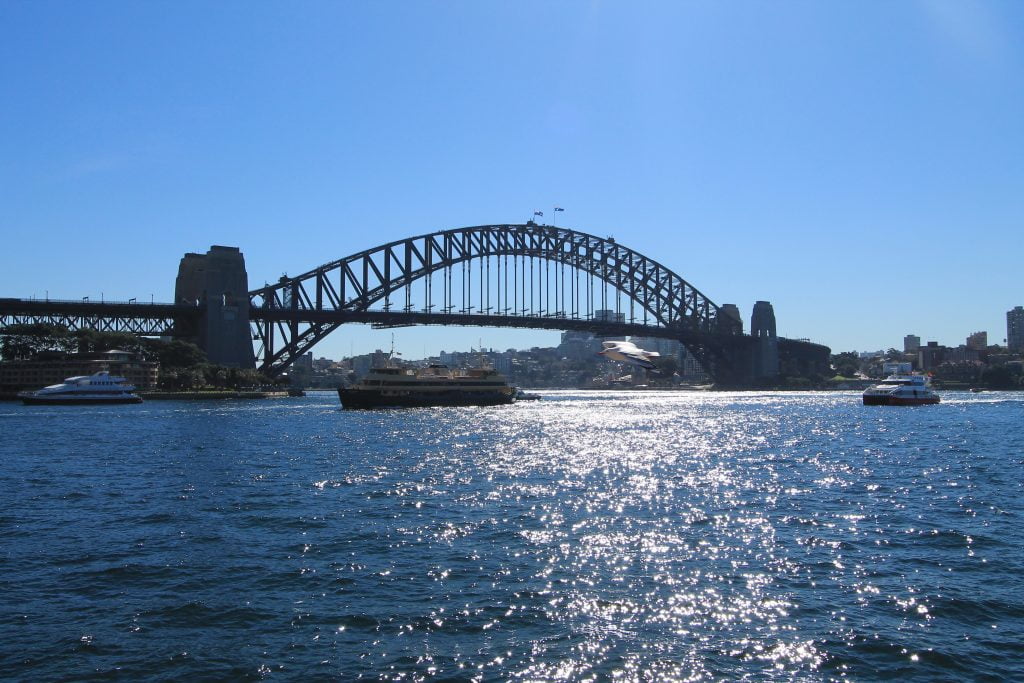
(528, 275)
(144, 320)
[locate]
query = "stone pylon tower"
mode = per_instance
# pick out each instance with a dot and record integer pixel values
(730, 320)
(217, 279)
(766, 348)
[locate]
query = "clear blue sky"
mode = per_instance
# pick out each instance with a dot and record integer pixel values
(859, 164)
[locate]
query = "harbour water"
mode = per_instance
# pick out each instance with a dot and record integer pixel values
(587, 536)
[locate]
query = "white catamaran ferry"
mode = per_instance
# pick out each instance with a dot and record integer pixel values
(901, 389)
(101, 387)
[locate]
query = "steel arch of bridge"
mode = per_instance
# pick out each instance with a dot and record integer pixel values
(292, 315)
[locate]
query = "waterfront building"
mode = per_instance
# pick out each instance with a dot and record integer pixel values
(501, 361)
(456, 359)
(1015, 328)
(301, 371)
(578, 345)
(362, 364)
(962, 354)
(667, 348)
(930, 356)
(911, 343)
(896, 367)
(978, 340)
(322, 364)
(690, 369)
(17, 375)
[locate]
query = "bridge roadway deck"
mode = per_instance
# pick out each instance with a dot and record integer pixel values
(92, 308)
(161, 316)
(554, 322)
(158, 318)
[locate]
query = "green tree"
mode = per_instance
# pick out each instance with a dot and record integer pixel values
(174, 354)
(97, 341)
(27, 340)
(181, 379)
(1002, 376)
(246, 378)
(846, 363)
(215, 375)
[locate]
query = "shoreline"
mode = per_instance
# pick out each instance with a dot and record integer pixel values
(215, 395)
(207, 395)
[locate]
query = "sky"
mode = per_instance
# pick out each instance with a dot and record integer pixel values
(858, 164)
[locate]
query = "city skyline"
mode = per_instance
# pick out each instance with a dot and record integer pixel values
(857, 167)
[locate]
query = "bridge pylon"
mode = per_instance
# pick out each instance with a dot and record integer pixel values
(218, 282)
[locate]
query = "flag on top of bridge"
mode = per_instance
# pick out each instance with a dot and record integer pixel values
(558, 208)
(538, 213)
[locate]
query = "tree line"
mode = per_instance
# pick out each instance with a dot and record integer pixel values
(990, 376)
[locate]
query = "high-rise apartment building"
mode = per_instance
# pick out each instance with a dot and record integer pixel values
(930, 356)
(911, 343)
(978, 341)
(1015, 328)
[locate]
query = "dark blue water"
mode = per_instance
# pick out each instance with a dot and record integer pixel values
(587, 536)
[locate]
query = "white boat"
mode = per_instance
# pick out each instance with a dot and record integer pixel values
(901, 389)
(101, 387)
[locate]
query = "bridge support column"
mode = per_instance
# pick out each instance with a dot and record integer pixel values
(762, 328)
(733, 358)
(218, 280)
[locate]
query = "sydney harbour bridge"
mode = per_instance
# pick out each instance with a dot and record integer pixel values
(526, 276)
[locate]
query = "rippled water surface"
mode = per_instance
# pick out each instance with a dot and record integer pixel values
(587, 536)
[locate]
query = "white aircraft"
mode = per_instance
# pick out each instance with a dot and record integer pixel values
(628, 352)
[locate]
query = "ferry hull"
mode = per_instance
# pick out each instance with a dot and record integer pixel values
(356, 398)
(900, 400)
(40, 401)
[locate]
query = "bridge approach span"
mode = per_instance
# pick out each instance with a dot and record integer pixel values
(142, 319)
